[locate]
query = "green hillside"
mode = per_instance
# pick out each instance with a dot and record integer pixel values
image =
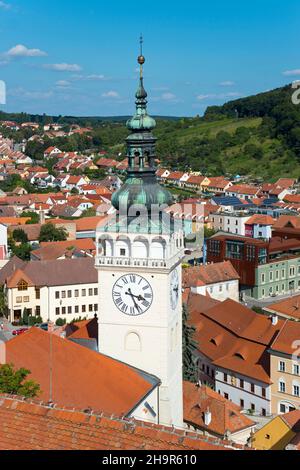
(257, 136)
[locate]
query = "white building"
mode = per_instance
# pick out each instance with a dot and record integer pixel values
(231, 222)
(219, 281)
(147, 333)
(53, 289)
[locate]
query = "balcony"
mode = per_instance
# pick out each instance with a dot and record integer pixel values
(138, 262)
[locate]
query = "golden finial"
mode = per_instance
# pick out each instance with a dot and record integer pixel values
(141, 58)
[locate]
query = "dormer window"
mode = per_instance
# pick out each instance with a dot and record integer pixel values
(22, 285)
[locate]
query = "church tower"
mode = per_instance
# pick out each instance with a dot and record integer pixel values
(139, 256)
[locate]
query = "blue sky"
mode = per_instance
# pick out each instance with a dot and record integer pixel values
(79, 57)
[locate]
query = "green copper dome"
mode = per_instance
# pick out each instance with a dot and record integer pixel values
(141, 191)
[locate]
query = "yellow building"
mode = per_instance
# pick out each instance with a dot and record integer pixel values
(279, 433)
(285, 369)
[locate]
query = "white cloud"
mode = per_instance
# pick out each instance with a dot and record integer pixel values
(63, 67)
(22, 51)
(111, 94)
(219, 96)
(31, 95)
(92, 77)
(63, 83)
(227, 83)
(290, 73)
(168, 97)
(5, 6)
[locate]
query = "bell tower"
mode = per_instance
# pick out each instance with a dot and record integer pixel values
(139, 255)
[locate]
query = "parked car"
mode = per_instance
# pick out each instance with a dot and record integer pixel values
(20, 331)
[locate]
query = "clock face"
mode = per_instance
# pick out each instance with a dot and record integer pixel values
(174, 289)
(132, 294)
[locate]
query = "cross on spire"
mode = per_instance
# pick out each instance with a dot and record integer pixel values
(141, 43)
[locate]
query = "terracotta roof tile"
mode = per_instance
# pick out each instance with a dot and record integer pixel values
(61, 429)
(225, 415)
(209, 274)
(82, 378)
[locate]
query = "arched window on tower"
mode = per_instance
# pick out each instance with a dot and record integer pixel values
(133, 342)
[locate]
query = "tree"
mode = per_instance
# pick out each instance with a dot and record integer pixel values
(15, 383)
(22, 251)
(61, 322)
(33, 216)
(20, 236)
(189, 345)
(50, 233)
(3, 302)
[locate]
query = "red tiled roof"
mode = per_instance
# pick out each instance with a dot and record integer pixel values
(260, 219)
(81, 378)
(235, 337)
(209, 274)
(69, 429)
(225, 415)
(289, 307)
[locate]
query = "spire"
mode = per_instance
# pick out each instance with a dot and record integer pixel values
(141, 120)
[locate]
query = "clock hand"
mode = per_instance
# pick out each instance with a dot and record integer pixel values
(133, 297)
(139, 297)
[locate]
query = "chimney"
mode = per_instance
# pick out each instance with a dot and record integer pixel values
(207, 417)
(274, 320)
(42, 216)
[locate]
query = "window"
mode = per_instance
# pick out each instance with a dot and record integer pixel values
(292, 271)
(252, 406)
(296, 369)
(122, 252)
(63, 294)
(25, 299)
(281, 366)
(242, 403)
(271, 276)
(83, 309)
(96, 308)
(76, 308)
(96, 291)
(90, 292)
(250, 253)
(69, 310)
(19, 300)
(296, 390)
(207, 370)
(263, 392)
(252, 387)
(38, 311)
(91, 308)
(263, 412)
(234, 250)
(263, 278)
(282, 408)
(22, 286)
(225, 377)
(241, 383)
(57, 295)
(63, 310)
(69, 294)
(76, 293)
(220, 288)
(226, 396)
(277, 275)
(37, 293)
(57, 311)
(83, 292)
(281, 386)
